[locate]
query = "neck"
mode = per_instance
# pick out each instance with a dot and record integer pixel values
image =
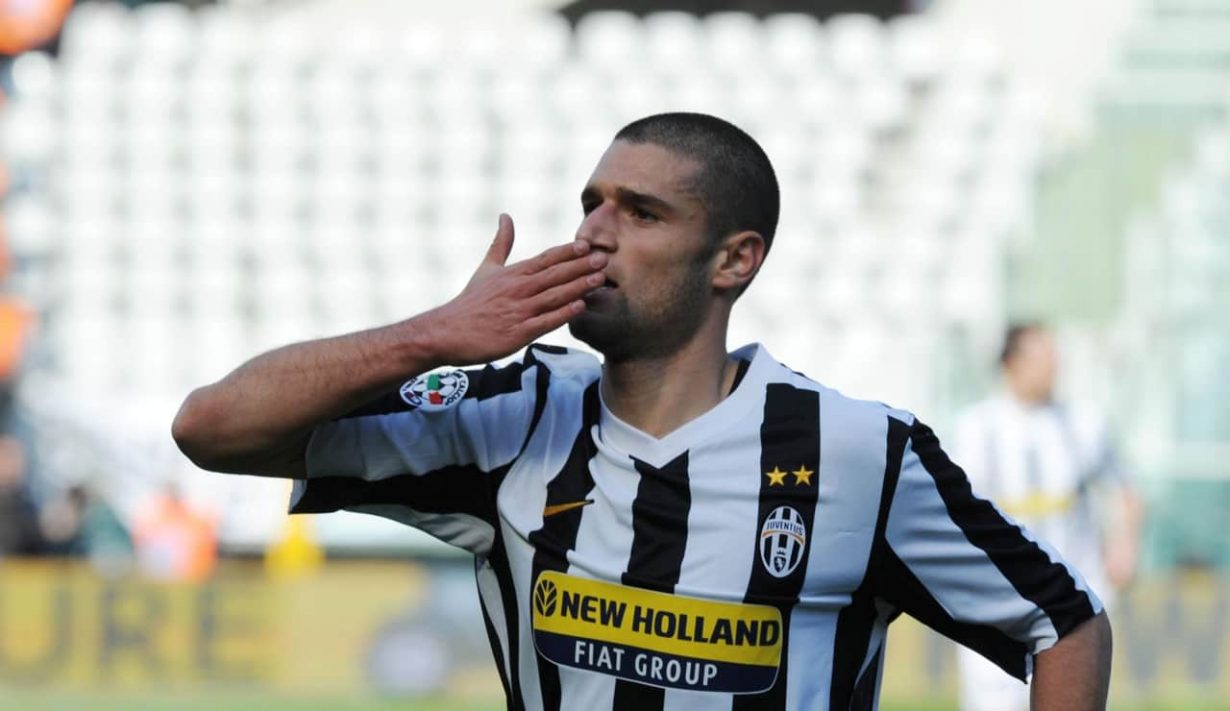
(1026, 397)
(661, 394)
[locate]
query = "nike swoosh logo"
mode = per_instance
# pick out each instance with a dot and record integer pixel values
(554, 509)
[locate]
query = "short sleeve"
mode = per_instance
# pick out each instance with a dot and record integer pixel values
(956, 563)
(425, 455)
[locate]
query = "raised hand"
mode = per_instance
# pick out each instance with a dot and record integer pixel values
(504, 307)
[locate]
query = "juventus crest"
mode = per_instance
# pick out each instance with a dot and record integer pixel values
(782, 538)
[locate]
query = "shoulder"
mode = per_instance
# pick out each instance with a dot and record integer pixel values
(846, 420)
(561, 372)
(563, 364)
(561, 361)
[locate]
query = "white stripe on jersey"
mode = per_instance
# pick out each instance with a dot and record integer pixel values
(489, 597)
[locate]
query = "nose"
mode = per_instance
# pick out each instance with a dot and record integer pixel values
(598, 228)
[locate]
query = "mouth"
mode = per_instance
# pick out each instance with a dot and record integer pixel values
(607, 286)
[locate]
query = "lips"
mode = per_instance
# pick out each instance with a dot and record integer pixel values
(607, 286)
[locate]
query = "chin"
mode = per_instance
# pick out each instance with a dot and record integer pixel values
(591, 331)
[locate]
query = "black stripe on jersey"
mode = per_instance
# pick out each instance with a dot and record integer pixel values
(541, 388)
(865, 691)
(1031, 571)
(740, 371)
(453, 489)
(558, 534)
(508, 599)
(498, 559)
(903, 589)
(493, 639)
(854, 623)
(659, 525)
(546, 348)
(789, 440)
(659, 539)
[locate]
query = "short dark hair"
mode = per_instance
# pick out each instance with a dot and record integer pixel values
(1013, 335)
(735, 181)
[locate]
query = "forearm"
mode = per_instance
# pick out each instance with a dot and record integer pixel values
(258, 418)
(1131, 516)
(1074, 675)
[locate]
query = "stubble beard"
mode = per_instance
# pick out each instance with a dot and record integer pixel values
(669, 321)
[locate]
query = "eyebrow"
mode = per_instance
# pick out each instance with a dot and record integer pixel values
(627, 196)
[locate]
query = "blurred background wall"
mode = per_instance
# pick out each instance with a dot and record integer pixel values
(185, 185)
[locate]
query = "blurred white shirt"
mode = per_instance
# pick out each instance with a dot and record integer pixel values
(1048, 467)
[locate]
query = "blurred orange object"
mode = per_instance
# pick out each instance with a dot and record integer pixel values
(26, 24)
(6, 261)
(16, 324)
(173, 542)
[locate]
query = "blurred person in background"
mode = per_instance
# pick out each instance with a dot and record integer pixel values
(711, 491)
(79, 523)
(20, 531)
(174, 542)
(1052, 467)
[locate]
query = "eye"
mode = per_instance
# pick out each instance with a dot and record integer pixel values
(640, 213)
(588, 206)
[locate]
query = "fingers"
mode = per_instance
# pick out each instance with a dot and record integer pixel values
(561, 294)
(545, 323)
(555, 255)
(567, 271)
(502, 245)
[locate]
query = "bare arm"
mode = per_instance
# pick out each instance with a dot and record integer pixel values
(1074, 675)
(1123, 539)
(257, 419)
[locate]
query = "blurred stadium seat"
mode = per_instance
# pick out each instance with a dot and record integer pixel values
(207, 194)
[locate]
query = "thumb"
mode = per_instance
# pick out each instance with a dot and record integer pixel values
(501, 246)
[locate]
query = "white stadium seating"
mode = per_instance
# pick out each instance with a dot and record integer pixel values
(214, 182)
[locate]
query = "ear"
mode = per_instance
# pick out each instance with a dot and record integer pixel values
(737, 260)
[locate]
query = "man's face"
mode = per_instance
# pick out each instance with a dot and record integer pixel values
(640, 210)
(1033, 369)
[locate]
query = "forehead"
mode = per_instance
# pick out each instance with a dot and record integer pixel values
(1037, 342)
(645, 168)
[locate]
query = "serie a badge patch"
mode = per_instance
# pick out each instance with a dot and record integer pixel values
(436, 391)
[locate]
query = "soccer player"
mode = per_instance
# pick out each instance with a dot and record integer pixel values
(1053, 468)
(676, 526)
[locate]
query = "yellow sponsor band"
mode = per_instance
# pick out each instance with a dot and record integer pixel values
(689, 627)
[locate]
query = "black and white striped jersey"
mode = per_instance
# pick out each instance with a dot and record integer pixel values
(750, 560)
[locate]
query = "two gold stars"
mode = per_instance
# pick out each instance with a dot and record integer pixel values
(802, 475)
